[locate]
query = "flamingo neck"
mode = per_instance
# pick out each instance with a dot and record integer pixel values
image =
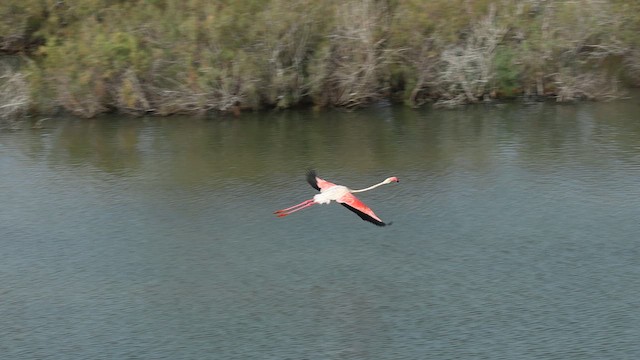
(369, 188)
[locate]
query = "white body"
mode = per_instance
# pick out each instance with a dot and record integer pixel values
(333, 193)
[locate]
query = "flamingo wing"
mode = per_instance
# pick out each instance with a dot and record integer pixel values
(316, 182)
(359, 208)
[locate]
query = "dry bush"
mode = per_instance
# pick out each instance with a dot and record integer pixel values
(355, 61)
(632, 65)
(85, 98)
(425, 63)
(130, 96)
(289, 32)
(585, 86)
(589, 29)
(222, 89)
(285, 67)
(581, 39)
(467, 70)
(14, 94)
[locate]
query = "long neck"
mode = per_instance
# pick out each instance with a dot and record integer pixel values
(369, 188)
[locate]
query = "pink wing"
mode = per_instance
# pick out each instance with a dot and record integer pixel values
(316, 182)
(324, 184)
(354, 204)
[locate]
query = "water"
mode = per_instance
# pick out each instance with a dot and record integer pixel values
(515, 236)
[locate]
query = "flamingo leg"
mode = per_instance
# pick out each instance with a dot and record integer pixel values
(292, 209)
(294, 206)
(283, 214)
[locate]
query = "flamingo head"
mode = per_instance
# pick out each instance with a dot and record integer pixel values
(391, 179)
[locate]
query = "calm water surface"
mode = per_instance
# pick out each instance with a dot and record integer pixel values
(516, 235)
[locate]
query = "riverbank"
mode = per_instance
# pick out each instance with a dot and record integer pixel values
(171, 57)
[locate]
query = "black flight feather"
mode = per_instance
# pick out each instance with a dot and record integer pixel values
(311, 179)
(364, 216)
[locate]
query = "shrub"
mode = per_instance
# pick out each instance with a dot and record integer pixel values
(14, 94)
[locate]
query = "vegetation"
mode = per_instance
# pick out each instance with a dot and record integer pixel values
(193, 56)
(14, 95)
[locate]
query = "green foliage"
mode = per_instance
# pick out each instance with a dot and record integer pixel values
(21, 20)
(506, 79)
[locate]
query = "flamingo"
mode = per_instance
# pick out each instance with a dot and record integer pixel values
(341, 194)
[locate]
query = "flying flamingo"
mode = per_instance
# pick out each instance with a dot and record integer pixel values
(341, 194)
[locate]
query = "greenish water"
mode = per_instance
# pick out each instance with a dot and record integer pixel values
(515, 236)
